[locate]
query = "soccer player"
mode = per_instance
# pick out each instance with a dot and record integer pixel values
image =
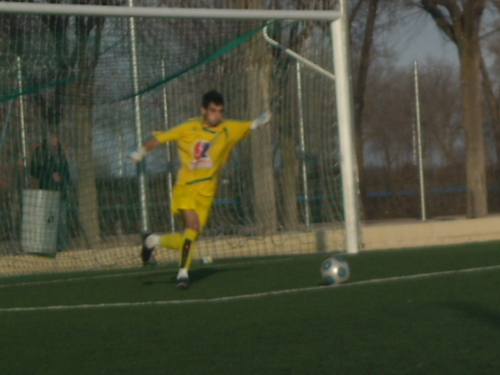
(204, 145)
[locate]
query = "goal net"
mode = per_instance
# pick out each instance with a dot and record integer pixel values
(102, 85)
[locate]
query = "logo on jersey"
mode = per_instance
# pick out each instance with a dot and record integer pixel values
(201, 159)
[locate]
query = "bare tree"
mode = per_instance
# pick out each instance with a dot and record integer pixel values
(492, 98)
(82, 91)
(258, 80)
(360, 89)
(460, 21)
(77, 43)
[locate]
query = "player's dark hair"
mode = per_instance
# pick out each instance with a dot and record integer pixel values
(212, 96)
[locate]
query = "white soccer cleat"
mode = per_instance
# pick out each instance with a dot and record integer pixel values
(183, 279)
(147, 256)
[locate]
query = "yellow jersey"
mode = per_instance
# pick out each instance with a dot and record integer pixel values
(203, 150)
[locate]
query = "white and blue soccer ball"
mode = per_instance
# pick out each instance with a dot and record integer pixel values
(335, 270)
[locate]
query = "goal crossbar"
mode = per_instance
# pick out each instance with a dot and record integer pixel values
(151, 12)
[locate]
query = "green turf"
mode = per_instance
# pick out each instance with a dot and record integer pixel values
(445, 324)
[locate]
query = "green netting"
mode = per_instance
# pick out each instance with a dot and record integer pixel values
(79, 77)
(279, 194)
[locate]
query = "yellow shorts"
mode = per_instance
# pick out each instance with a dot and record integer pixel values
(185, 197)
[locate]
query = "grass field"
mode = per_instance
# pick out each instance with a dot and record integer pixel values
(420, 311)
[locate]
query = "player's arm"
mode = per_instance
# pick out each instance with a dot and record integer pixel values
(157, 139)
(261, 120)
(241, 129)
(151, 144)
(137, 155)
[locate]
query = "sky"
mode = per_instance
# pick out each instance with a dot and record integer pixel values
(423, 41)
(417, 38)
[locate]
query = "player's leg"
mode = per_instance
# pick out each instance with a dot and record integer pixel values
(195, 210)
(190, 235)
(173, 241)
(170, 241)
(150, 241)
(194, 221)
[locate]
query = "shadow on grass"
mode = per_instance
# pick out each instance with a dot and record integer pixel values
(202, 273)
(195, 275)
(476, 311)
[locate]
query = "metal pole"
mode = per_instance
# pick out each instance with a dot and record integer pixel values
(166, 12)
(141, 167)
(419, 144)
(24, 149)
(296, 56)
(344, 95)
(121, 164)
(303, 146)
(414, 140)
(169, 161)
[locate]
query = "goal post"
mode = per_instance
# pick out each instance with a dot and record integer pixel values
(136, 84)
(153, 12)
(343, 85)
(345, 118)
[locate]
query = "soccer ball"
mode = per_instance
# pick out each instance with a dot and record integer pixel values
(335, 271)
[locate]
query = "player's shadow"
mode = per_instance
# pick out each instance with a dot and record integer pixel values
(198, 274)
(156, 278)
(195, 275)
(475, 311)
(202, 273)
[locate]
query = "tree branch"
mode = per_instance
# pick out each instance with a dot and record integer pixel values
(97, 44)
(432, 7)
(355, 10)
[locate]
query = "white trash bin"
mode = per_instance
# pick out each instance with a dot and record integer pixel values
(40, 221)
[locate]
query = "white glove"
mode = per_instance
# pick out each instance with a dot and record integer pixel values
(261, 120)
(138, 155)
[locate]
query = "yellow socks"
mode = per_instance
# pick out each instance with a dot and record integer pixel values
(185, 242)
(187, 250)
(171, 241)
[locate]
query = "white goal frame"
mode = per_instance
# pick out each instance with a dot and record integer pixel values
(341, 57)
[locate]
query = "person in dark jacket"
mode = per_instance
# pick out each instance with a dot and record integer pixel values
(50, 166)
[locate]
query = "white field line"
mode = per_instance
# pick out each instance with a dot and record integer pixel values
(250, 296)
